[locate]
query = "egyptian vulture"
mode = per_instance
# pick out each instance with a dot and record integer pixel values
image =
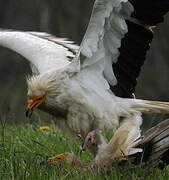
(79, 85)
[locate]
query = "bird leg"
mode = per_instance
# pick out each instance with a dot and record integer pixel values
(122, 143)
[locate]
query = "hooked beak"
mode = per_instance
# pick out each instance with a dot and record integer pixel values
(33, 102)
(29, 113)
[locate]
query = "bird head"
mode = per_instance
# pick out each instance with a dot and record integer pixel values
(33, 103)
(39, 89)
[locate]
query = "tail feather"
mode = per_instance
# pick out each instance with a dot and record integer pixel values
(146, 106)
(155, 143)
(157, 132)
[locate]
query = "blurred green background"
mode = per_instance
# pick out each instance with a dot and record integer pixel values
(68, 18)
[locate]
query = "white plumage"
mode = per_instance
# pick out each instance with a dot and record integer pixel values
(73, 83)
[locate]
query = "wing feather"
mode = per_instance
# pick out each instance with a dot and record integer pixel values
(45, 52)
(106, 28)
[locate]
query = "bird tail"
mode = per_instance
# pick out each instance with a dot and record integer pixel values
(146, 106)
(155, 145)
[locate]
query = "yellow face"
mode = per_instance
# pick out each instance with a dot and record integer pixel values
(33, 102)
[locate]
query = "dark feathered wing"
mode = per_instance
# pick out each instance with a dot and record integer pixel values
(136, 43)
(155, 146)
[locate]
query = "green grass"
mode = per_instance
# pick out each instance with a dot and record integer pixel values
(23, 154)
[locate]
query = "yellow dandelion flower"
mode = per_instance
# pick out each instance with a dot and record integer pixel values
(44, 128)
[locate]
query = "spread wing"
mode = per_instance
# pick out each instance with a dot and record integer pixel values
(120, 59)
(44, 51)
(136, 43)
(102, 40)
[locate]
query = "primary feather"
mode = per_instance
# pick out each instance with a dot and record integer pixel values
(42, 50)
(103, 36)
